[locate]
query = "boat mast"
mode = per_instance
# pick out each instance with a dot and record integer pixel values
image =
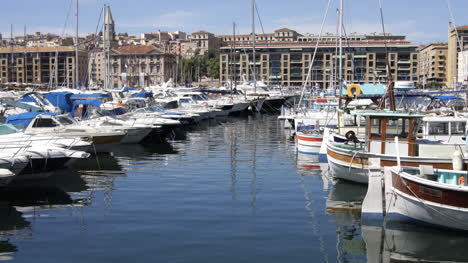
(76, 50)
(104, 42)
(340, 32)
(234, 50)
(253, 46)
(390, 80)
(232, 54)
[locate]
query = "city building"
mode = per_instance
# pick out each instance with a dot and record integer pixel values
(432, 64)
(42, 65)
(129, 63)
(463, 67)
(287, 62)
(206, 42)
(457, 42)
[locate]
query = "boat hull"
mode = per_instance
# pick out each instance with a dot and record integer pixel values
(136, 135)
(416, 201)
(309, 143)
(352, 165)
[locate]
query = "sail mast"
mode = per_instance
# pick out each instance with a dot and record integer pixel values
(253, 46)
(340, 32)
(76, 49)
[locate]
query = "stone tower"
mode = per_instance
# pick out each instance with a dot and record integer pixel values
(109, 28)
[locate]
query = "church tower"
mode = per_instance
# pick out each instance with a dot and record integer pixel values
(109, 28)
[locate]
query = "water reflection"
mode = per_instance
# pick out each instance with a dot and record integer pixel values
(26, 198)
(308, 165)
(409, 243)
(99, 162)
(12, 224)
(343, 209)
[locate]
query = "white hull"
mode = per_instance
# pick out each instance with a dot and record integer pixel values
(135, 135)
(343, 171)
(407, 208)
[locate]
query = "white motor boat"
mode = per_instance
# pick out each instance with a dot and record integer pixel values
(102, 139)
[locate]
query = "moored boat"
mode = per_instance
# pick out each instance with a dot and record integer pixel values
(427, 195)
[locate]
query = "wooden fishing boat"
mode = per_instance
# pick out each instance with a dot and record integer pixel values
(349, 160)
(437, 197)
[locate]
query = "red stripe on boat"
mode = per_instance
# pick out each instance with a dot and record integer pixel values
(310, 139)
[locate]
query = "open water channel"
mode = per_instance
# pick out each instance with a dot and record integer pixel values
(233, 191)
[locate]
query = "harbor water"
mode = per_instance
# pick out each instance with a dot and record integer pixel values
(232, 191)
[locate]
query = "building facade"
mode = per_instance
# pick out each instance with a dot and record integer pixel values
(432, 64)
(463, 67)
(206, 42)
(42, 65)
(287, 62)
(457, 42)
(130, 64)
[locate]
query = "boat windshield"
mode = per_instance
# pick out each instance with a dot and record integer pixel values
(397, 127)
(438, 128)
(457, 128)
(64, 120)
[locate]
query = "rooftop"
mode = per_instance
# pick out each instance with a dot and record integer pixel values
(36, 49)
(139, 49)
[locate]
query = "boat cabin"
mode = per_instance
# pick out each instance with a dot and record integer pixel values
(449, 129)
(49, 123)
(383, 126)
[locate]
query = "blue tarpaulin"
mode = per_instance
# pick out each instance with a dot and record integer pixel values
(22, 120)
(85, 103)
(144, 94)
(90, 96)
(27, 99)
(60, 100)
(445, 98)
(127, 89)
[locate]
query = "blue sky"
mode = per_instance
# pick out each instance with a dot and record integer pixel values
(423, 21)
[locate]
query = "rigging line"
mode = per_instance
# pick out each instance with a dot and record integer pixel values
(315, 52)
(452, 18)
(356, 75)
(268, 41)
(245, 52)
(95, 40)
(386, 51)
(55, 65)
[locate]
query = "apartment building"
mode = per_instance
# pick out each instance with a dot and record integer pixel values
(432, 64)
(283, 34)
(457, 42)
(42, 65)
(287, 62)
(463, 67)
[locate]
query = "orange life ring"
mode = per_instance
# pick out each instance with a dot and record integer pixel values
(205, 103)
(461, 180)
(357, 90)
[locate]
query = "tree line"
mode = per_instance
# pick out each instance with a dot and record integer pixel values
(197, 67)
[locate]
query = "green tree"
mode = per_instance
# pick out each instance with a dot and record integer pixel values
(434, 85)
(213, 68)
(192, 69)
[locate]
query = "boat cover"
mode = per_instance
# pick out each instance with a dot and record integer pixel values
(21, 121)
